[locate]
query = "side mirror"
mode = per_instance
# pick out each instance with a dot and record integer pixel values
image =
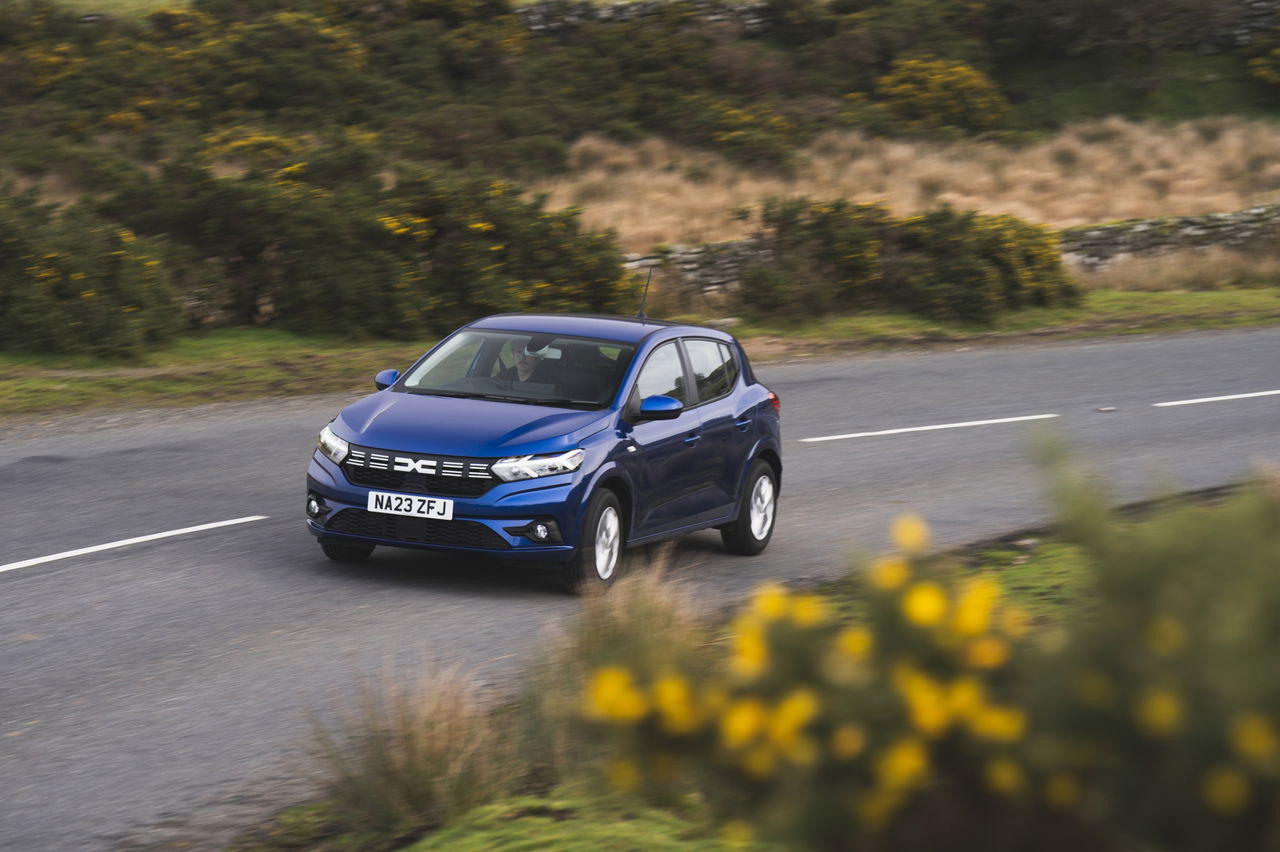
(385, 379)
(659, 407)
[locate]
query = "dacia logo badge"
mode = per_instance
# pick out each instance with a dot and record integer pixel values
(427, 466)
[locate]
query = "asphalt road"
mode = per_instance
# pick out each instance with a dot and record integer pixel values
(160, 692)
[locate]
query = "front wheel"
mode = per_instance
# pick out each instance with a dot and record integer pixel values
(749, 534)
(341, 551)
(600, 548)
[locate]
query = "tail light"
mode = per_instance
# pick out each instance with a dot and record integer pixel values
(776, 403)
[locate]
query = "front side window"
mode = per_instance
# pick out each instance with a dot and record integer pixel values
(663, 374)
(524, 367)
(713, 366)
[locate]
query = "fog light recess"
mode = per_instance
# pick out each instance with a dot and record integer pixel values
(540, 531)
(316, 507)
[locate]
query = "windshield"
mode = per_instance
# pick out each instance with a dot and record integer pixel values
(524, 367)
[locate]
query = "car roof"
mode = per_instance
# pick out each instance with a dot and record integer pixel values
(619, 328)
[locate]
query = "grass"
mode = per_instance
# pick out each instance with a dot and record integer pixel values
(1100, 170)
(243, 364)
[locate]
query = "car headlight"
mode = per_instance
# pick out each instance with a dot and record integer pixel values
(331, 445)
(531, 467)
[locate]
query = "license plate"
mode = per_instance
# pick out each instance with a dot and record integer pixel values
(414, 507)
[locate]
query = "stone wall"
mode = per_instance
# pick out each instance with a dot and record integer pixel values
(697, 275)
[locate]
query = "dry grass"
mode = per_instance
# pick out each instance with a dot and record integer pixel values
(413, 757)
(655, 192)
(1186, 270)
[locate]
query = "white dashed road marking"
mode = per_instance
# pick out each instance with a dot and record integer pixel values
(928, 428)
(27, 563)
(1216, 398)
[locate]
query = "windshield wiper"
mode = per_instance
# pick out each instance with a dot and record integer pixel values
(561, 401)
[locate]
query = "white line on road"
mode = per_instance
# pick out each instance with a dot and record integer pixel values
(13, 566)
(928, 428)
(1215, 398)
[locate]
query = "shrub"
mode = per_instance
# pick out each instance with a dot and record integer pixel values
(942, 264)
(74, 283)
(944, 719)
(930, 94)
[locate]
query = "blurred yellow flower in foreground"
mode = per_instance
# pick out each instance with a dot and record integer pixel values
(1003, 776)
(737, 832)
(1159, 712)
(973, 608)
(904, 765)
(770, 602)
(1225, 790)
(808, 610)
(998, 723)
(987, 653)
(847, 741)
(889, 573)
(750, 649)
(612, 696)
(910, 534)
(673, 700)
(791, 717)
(1015, 622)
(1254, 737)
(742, 721)
(855, 643)
(926, 700)
(924, 604)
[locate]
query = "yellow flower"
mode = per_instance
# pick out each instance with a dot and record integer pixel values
(1094, 689)
(1003, 776)
(847, 741)
(481, 226)
(750, 649)
(612, 696)
(910, 534)
(855, 643)
(889, 573)
(974, 606)
(808, 610)
(966, 696)
(926, 699)
(1159, 712)
(904, 765)
(1225, 790)
(1254, 737)
(924, 604)
(623, 775)
(791, 716)
(770, 602)
(998, 723)
(674, 702)
(742, 721)
(987, 653)
(1164, 636)
(1062, 791)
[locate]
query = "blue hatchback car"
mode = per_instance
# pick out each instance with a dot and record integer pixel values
(553, 438)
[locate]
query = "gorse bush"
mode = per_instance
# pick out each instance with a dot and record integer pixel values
(931, 94)
(944, 719)
(77, 284)
(943, 264)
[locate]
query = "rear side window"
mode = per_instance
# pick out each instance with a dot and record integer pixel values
(714, 368)
(663, 374)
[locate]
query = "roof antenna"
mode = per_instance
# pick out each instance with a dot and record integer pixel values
(645, 298)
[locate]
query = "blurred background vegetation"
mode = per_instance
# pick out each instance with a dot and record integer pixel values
(342, 166)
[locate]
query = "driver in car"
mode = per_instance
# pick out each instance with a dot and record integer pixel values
(530, 366)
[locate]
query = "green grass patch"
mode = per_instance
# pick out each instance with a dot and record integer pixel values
(241, 364)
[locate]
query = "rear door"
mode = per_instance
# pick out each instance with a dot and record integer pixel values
(728, 427)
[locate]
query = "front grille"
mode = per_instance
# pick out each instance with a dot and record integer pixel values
(414, 473)
(417, 530)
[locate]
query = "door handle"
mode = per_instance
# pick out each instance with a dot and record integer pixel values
(692, 438)
(744, 423)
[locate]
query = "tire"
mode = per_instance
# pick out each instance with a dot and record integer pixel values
(749, 534)
(341, 551)
(596, 562)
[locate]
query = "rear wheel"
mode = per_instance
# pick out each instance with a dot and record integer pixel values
(599, 551)
(342, 551)
(757, 510)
